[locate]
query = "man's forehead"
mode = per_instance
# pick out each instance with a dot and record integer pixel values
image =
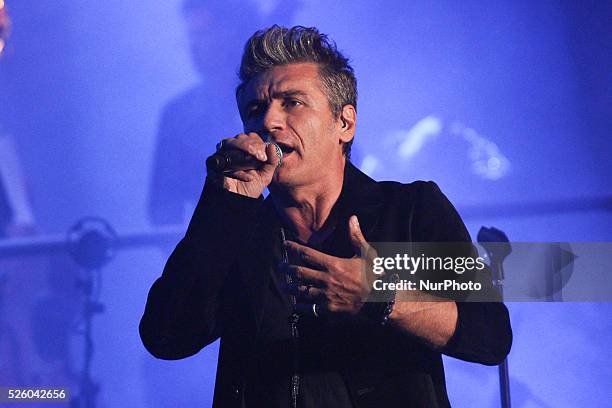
(302, 77)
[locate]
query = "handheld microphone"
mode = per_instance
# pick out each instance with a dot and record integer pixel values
(235, 160)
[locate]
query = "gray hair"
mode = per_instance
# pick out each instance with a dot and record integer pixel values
(282, 46)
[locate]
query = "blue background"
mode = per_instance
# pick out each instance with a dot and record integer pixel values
(81, 89)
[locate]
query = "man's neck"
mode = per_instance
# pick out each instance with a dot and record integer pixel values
(307, 210)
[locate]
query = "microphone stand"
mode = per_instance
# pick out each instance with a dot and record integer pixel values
(88, 387)
(91, 243)
(498, 247)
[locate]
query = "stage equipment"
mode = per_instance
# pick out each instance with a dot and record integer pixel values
(92, 243)
(497, 253)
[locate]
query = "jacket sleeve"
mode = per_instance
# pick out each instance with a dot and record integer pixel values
(483, 333)
(183, 310)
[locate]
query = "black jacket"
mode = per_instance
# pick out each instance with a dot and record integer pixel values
(214, 283)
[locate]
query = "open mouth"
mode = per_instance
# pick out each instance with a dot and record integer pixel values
(285, 149)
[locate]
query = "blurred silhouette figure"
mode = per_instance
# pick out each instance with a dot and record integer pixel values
(16, 217)
(38, 297)
(193, 122)
(11, 364)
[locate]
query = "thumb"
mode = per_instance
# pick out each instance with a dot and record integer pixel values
(361, 246)
(273, 160)
(274, 155)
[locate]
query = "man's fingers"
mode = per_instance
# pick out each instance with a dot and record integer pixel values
(308, 255)
(273, 155)
(361, 246)
(251, 144)
(307, 275)
(240, 175)
(271, 162)
(305, 292)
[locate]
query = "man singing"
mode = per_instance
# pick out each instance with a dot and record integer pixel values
(280, 280)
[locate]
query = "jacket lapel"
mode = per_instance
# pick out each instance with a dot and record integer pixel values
(259, 266)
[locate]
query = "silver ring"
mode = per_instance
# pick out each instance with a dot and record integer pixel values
(314, 310)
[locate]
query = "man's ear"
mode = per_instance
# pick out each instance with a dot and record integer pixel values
(347, 122)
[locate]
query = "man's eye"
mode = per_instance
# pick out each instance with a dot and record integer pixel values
(253, 110)
(293, 102)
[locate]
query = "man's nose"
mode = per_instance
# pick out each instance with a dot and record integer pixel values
(274, 119)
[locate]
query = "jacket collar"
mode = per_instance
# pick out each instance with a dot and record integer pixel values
(360, 195)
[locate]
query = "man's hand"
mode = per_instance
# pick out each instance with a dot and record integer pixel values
(334, 284)
(250, 183)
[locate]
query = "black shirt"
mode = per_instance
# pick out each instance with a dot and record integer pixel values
(319, 347)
